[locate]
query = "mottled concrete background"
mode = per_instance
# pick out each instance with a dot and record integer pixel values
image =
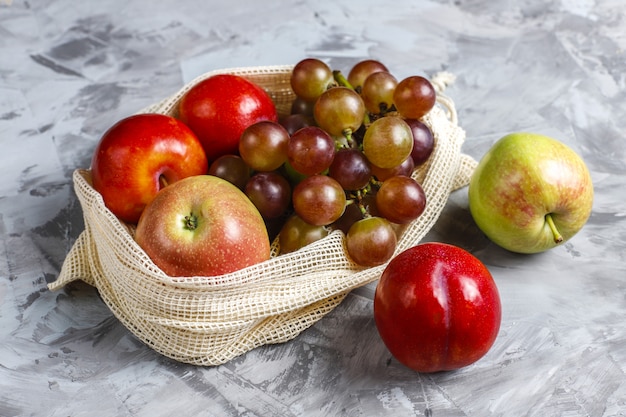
(70, 69)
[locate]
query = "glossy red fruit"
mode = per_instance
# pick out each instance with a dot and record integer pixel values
(202, 226)
(423, 141)
(138, 156)
(319, 200)
(401, 199)
(371, 241)
(437, 308)
(363, 69)
(219, 108)
(414, 96)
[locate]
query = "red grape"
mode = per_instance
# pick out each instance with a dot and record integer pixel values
(231, 168)
(360, 208)
(423, 141)
(400, 199)
(371, 241)
(351, 169)
(405, 168)
(302, 106)
(296, 121)
(414, 96)
(263, 145)
(319, 200)
(270, 193)
(310, 150)
(340, 160)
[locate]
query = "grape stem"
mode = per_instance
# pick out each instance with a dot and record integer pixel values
(349, 140)
(374, 182)
(364, 211)
(347, 133)
(357, 198)
(341, 79)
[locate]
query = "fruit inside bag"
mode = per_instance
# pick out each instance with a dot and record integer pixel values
(211, 320)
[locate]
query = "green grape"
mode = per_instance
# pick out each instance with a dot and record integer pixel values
(377, 92)
(296, 234)
(387, 142)
(310, 78)
(363, 69)
(289, 172)
(339, 111)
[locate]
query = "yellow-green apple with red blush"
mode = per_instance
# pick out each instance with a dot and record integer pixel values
(202, 226)
(530, 193)
(138, 156)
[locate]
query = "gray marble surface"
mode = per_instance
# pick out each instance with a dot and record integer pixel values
(69, 70)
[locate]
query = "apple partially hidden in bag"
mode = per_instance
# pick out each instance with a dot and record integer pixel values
(202, 226)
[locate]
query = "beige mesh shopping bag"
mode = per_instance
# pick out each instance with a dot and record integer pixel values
(211, 320)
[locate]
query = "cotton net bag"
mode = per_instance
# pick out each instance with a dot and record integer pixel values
(211, 320)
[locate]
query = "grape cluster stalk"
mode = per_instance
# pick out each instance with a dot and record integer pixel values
(341, 160)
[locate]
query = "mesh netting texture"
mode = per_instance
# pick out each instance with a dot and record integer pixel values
(211, 320)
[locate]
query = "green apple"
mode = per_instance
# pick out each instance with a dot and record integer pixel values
(530, 193)
(202, 226)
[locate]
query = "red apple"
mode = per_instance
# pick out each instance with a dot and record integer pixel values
(202, 226)
(437, 308)
(138, 156)
(219, 108)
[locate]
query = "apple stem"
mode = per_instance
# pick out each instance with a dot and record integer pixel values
(162, 182)
(557, 235)
(191, 222)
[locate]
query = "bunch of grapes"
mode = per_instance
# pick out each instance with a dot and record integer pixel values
(342, 159)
